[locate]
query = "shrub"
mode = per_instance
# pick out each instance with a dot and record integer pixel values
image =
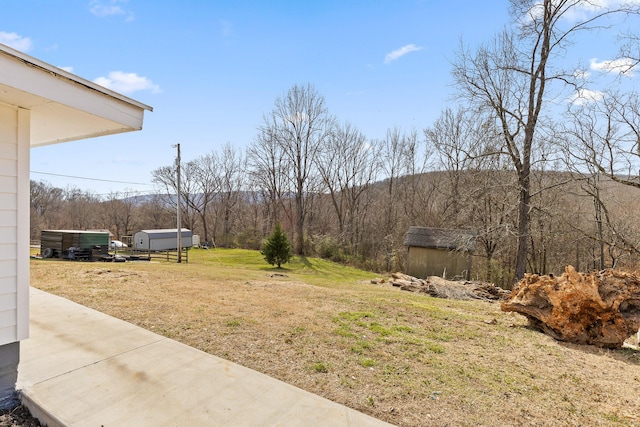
(331, 248)
(276, 248)
(326, 247)
(249, 238)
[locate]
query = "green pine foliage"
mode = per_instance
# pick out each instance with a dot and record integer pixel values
(276, 248)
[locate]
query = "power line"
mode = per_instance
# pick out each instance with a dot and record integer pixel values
(90, 179)
(130, 193)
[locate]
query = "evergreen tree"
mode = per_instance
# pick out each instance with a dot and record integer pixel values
(276, 248)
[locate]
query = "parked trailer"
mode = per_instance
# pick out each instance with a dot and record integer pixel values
(73, 244)
(161, 240)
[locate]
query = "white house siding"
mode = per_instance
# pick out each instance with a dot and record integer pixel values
(14, 223)
(39, 105)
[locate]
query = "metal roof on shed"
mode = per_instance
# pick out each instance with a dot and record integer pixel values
(77, 231)
(441, 238)
(164, 233)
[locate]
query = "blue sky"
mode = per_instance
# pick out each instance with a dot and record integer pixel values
(211, 68)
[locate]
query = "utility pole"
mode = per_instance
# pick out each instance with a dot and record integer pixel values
(179, 221)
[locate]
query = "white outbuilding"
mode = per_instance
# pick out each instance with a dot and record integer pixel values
(165, 239)
(39, 105)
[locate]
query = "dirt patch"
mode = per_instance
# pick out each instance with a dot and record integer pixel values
(406, 358)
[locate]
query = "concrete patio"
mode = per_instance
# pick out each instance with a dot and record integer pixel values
(81, 367)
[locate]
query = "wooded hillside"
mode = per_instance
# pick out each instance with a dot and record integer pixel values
(567, 226)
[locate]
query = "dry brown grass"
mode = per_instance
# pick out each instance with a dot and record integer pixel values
(408, 359)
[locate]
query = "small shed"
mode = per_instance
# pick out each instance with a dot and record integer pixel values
(439, 252)
(57, 243)
(161, 240)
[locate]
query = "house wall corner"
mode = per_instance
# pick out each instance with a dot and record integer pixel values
(9, 359)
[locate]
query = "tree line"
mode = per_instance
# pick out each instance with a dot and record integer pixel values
(544, 183)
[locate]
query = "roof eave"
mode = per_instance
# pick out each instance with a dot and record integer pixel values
(63, 107)
(59, 72)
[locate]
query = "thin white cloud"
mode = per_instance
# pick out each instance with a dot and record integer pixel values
(398, 53)
(585, 96)
(16, 41)
(110, 8)
(622, 66)
(67, 69)
(126, 83)
(580, 11)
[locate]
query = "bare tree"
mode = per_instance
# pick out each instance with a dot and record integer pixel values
(461, 140)
(416, 191)
(119, 211)
(516, 76)
(231, 179)
(348, 165)
(476, 188)
(155, 212)
(392, 164)
(166, 178)
(629, 52)
(268, 174)
(608, 131)
(80, 209)
(206, 170)
(299, 126)
(604, 147)
(399, 165)
(46, 206)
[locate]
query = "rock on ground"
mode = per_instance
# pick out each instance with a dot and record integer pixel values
(601, 309)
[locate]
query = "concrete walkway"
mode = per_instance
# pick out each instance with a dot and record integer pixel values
(83, 368)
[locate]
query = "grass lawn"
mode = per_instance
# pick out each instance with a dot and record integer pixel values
(408, 359)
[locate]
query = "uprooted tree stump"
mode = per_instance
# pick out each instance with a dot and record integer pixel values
(601, 309)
